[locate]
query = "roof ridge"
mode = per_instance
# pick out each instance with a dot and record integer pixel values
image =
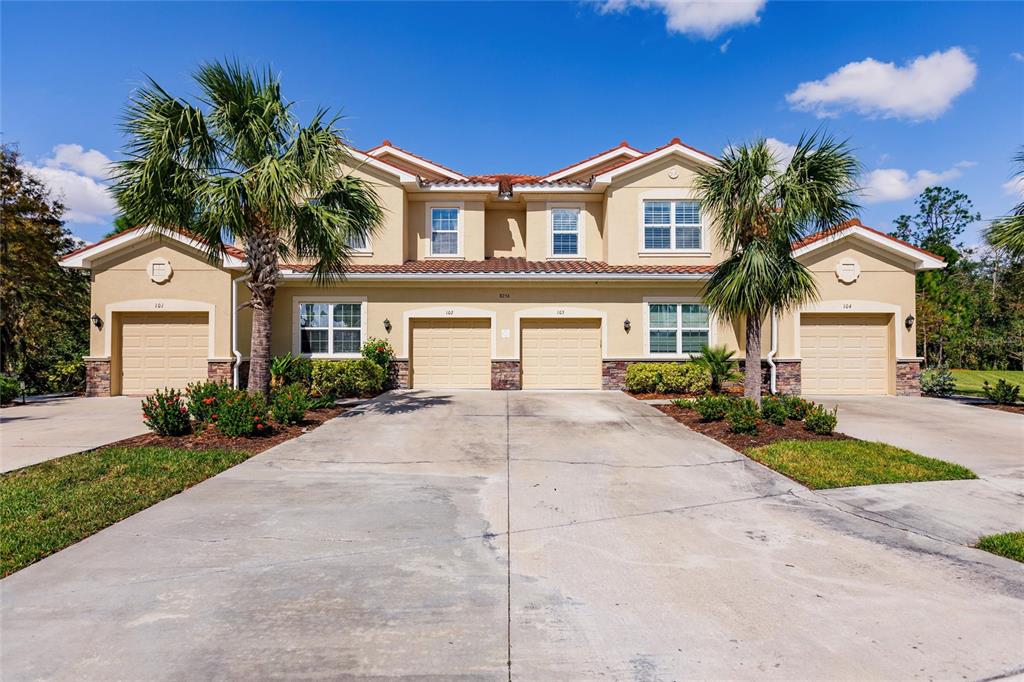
(388, 143)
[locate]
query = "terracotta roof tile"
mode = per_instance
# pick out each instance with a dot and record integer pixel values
(855, 222)
(388, 143)
(513, 266)
(232, 251)
(621, 145)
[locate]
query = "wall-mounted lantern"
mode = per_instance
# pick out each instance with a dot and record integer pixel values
(626, 325)
(97, 321)
(909, 322)
(387, 325)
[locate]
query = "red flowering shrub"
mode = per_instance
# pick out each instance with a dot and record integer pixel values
(204, 398)
(379, 352)
(165, 413)
(241, 414)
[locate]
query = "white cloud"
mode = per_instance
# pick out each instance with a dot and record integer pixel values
(1015, 187)
(895, 184)
(78, 178)
(782, 151)
(1017, 56)
(703, 19)
(920, 89)
(724, 47)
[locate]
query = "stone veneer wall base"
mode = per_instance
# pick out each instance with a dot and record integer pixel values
(505, 375)
(97, 378)
(908, 377)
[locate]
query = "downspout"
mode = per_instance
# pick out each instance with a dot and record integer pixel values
(234, 327)
(774, 350)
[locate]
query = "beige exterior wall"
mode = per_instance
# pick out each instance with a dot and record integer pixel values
(885, 286)
(538, 225)
(504, 231)
(121, 284)
(623, 222)
(389, 244)
(612, 302)
(472, 215)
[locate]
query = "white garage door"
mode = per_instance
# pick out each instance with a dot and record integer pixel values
(163, 350)
(451, 354)
(844, 354)
(561, 353)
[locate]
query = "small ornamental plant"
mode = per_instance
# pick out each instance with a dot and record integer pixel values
(289, 404)
(821, 420)
(938, 381)
(204, 399)
(773, 410)
(796, 407)
(1003, 393)
(166, 413)
(378, 351)
(742, 416)
(242, 414)
(711, 408)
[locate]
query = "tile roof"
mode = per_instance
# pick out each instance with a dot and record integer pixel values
(233, 251)
(621, 145)
(513, 266)
(855, 222)
(387, 143)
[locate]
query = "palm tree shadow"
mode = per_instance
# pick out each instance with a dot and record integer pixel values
(401, 402)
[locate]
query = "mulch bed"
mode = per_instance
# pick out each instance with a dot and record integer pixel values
(767, 433)
(1016, 409)
(212, 439)
(728, 390)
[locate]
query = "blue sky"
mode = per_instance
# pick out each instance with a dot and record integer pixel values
(531, 87)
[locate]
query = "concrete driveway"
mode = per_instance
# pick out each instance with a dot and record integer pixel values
(989, 442)
(54, 427)
(534, 536)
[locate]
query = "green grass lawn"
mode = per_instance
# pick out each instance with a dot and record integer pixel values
(46, 507)
(842, 463)
(969, 381)
(1010, 545)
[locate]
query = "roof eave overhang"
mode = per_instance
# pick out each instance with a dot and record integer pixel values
(415, 160)
(84, 258)
(596, 161)
(504, 276)
(606, 178)
(921, 260)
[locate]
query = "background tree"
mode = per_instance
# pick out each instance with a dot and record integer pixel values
(237, 165)
(1008, 233)
(122, 223)
(760, 209)
(942, 215)
(44, 329)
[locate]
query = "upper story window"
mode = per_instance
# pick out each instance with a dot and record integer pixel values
(444, 230)
(565, 231)
(678, 328)
(358, 242)
(330, 328)
(672, 225)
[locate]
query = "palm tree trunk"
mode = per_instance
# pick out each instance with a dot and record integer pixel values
(261, 253)
(752, 371)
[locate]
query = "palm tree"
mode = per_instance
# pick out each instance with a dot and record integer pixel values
(762, 208)
(1008, 232)
(237, 166)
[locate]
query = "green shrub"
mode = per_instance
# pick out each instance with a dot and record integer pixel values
(683, 403)
(820, 420)
(1003, 393)
(242, 413)
(720, 366)
(742, 416)
(165, 413)
(796, 407)
(666, 377)
(711, 408)
(773, 410)
(204, 398)
(938, 381)
(290, 369)
(347, 378)
(378, 351)
(66, 375)
(320, 402)
(289, 404)
(10, 389)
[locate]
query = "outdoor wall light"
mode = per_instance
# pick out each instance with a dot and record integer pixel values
(626, 325)
(97, 321)
(387, 325)
(909, 322)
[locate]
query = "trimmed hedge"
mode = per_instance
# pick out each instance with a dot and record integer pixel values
(667, 377)
(347, 378)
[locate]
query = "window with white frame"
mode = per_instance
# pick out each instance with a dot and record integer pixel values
(678, 328)
(358, 242)
(565, 231)
(444, 231)
(671, 225)
(330, 328)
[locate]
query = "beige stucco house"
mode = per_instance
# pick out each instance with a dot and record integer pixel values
(555, 281)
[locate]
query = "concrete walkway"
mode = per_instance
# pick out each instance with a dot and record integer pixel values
(526, 535)
(989, 442)
(46, 429)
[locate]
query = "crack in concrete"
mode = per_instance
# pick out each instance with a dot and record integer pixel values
(874, 517)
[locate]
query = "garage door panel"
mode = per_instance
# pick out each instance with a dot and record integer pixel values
(561, 354)
(845, 354)
(451, 353)
(163, 350)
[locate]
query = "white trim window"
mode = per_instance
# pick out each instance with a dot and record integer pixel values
(359, 243)
(678, 328)
(566, 231)
(444, 230)
(672, 225)
(330, 328)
